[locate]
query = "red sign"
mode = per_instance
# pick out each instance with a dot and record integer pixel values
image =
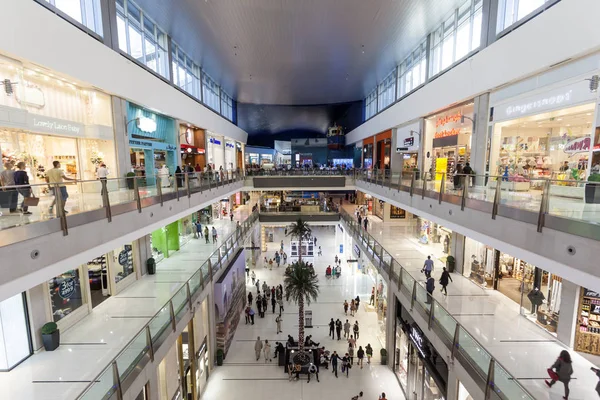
(454, 118)
(579, 145)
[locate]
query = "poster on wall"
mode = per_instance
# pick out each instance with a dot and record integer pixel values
(230, 295)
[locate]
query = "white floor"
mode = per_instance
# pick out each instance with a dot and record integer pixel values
(523, 348)
(98, 338)
(242, 377)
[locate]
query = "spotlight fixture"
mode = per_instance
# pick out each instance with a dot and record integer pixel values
(594, 81)
(8, 86)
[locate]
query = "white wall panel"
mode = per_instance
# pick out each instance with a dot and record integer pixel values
(567, 30)
(54, 43)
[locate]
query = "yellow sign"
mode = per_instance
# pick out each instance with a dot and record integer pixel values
(441, 165)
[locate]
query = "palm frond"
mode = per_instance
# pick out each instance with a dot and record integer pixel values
(299, 229)
(301, 283)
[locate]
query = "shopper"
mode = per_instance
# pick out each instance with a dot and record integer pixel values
(178, 177)
(267, 351)
(198, 230)
(346, 364)
(444, 280)
(334, 363)
(332, 328)
(214, 234)
(561, 370)
(56, 176)
(102, 174)
(259, 304)
(280, 302)
(250, 298)
(355, 329)
(206, 234)
(251, 312)
(372, 299)
(430, 286)
(346, 307)
(265, 305)
(428, 267)
(247, 314)
(273, 303)
(352, 308)
(382, 397)
(253, 277)
(350, 354)
(346, 329)
(258, 345)
(7, 178)
(369, 352)
(360, 355)
(278, 320)
(366, 223)
(356, 301)
(338, 328)
(22, 179)
(458, 171)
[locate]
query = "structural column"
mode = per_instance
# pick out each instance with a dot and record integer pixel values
(458, 251)
(479, 138)
(123, 166)
(569, 302)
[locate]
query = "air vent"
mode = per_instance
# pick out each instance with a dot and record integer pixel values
(560, 62)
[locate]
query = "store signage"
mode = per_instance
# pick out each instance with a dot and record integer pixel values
(52, 125)
(341, 249)
(409, 142)
(561, 97)
(230, 145)
(146, 124)
(590, 293)
(407, 137)
(446, 133)
(453, 118)
(66, 288)
(419, 340)
(188, 136)
(171, 147)
(357, 250)
(139, 143)
(201, 151)
(214, 141)
(124, 258)
(579, 145)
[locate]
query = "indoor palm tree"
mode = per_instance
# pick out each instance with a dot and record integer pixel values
(299, 230)
(301, 284)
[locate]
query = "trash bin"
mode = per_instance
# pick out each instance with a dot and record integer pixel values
(151, 266)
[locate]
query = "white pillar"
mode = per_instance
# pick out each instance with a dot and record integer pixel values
(569, 303)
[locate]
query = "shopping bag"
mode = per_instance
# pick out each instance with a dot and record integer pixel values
(31, 201)
(553, 375)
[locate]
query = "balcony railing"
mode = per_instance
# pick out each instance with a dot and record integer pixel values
(496, 382)
(73, 203)
(118, 375)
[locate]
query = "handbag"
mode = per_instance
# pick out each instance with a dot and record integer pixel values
(31, 201)
(553, 375)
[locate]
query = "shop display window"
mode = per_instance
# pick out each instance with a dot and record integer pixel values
(553, 145)
(587, 337)
(479, 263)
(123, 264)
(401, 356)
(66, 294)
(186, 230)
(397, 213)
(431, 233)
(463, 394)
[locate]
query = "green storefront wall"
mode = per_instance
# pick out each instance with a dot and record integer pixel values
(166, 239)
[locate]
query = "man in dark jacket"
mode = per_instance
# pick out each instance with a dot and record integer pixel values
(444, 280)
(334, 363)
(332, 328)
(338, 328)
(430, 286)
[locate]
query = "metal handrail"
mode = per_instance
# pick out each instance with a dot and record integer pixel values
(348, 219)
(252, 218)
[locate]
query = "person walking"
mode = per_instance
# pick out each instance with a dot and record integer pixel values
(355, 329)
(346, 329)
(369, 352)
(56, 176)
(366, 223)
(267, 351)
(257, 286)
(382, 397)
(253, 276)
(250, 298)
(273, 303)
(7, 178)
(265, 287)
(338, 328)
(430, 286)
(265, 305)
(562, 369)
(270, 264)
(428, 267)
(258, 345)
(278, 320)
(206, 234)
(597, 372)
(346, 307)
(259, 304)
(332, 328)
(251, 312)
(284, 258)
(247, 314)
(372, 299)
(214, 234)
(444, 280)
(352, 307)
(22, 179)
(334, 363)
(360, 355)
(280, 302)
(351, 347)
(198, 231)
(357, 302)
(346, 364)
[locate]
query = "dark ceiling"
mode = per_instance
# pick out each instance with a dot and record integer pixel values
(298, 51)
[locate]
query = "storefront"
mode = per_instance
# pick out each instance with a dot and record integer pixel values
(215, 148)
(153, 143)
(368, 150)
(50, 119)
(192, 145)
(448, 140)
(587, 335)
(439, 238)
(421, 371)
(384, 149)
(548, 134)
(230, 155)
(537, 291)
(164, 241)
(408, 139)
(202, 346)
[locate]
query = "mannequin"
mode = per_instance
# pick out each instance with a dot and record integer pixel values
(163, 173)
(537, 298)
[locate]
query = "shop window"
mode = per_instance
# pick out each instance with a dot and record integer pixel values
(397, 213)
(15, 339)
(512, 11)
(123, 264)
(141, 38)
(66, 294)
(85, 12)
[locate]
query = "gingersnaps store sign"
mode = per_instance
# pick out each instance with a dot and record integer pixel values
(554, 99)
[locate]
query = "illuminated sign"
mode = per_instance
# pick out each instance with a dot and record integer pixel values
(146, 124)
(419, 341)
(188, 136)
(579, 145)
(540, 104)
(230, 145)
(214, 141)
(454, 118)
(446, 133)
(409, 142)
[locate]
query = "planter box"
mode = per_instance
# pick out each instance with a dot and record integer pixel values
(592, 193)
(51, 341)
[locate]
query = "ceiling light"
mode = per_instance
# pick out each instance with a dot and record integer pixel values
(588, 114)
(559, 119)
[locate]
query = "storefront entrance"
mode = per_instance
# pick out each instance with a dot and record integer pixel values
(435, 235)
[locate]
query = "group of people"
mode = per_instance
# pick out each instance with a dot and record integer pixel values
(280, 256)
(445, 278)
(353, 306)
(347, 360)
(206, 234)
(274, 295)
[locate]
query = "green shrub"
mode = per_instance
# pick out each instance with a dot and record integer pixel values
(594, 178)
(49, 328)
(383, 352)
(450, 259)
(130, 175)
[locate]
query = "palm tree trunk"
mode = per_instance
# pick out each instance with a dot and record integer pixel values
(300, 250)
(301, 324)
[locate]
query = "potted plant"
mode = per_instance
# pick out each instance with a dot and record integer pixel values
(417, 173)
(130, 176)
(383, 354)
(151, 266)
(50, 336)
(450, 263)
(592, 189)
(220, 356)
